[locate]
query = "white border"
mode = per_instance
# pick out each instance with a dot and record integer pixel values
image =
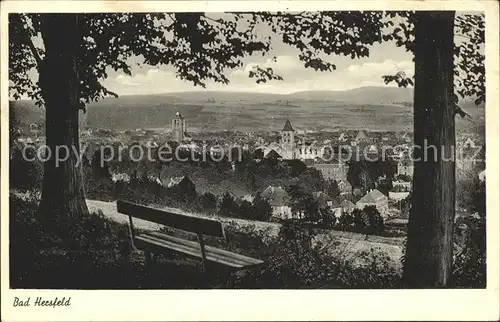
(268, 305)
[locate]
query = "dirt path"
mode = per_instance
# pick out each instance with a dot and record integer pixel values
(110, 211)
(351, 243)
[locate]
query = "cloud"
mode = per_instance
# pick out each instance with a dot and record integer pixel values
(377, 69)
(152, 80)
(126, 80)
(283, 65)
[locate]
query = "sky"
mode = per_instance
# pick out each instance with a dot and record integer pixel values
(384, 59)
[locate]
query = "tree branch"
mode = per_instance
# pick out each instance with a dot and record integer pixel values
(29, 43)
(106, 91)
(460, 35)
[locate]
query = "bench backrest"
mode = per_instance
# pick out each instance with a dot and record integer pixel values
(178, 221)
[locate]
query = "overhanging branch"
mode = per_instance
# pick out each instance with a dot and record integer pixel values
(29, 42)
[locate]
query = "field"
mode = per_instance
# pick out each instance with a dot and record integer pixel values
(368, 108)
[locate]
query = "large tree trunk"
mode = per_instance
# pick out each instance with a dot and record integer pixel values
(428, 255)
(63, 196)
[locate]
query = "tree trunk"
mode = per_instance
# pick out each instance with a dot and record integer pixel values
(428, 255)
(63, 196)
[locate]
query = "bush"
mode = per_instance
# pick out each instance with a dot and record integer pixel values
(294, 263)
(469, 255)
(94, 252)
(41, 248)
(207, 202)
(25, 175)
(367, 221)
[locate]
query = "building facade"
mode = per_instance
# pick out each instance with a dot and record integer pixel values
(333, 171)
(178, 127)
(288, 141)
(405, 167)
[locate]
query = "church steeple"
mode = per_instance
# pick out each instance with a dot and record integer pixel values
(178, 127)
(288, 127)
(288, 140)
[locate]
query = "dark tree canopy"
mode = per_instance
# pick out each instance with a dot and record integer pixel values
(469, 55)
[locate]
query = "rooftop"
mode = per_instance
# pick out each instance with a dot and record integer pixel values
(372, 197)
(276, 196)
(288, 126)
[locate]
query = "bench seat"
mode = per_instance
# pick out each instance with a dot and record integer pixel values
(158, 242)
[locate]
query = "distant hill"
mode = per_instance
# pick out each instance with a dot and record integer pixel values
(362, 95)
(377, 95)
(374, 108)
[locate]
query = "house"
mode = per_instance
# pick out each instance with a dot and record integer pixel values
(469, 144)
(345, 206)
(324, 200)
(401, 183)
(333, 171)
(120, 177)
(374, 198)
(172, 182)
(189, 146)
(151, 144)
(398, 193)
(279, 200)
(155, 179)
(345, 187)
(87, 132)
(247, 197)
(405, 166)
(310, 151)
(273, 154)
(361, 136)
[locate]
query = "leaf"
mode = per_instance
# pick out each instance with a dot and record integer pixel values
(461, 112)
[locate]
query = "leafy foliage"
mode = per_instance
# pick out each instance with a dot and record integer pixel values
(332, 189)
(25, 170)
(197, 46)
(208, 201)
(469, 56)
(201, 46)
(469, 255)
(365, 221)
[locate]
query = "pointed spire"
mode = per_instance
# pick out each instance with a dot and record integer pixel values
(288, 126)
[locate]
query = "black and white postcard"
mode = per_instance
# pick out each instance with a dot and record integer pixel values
(278, 160)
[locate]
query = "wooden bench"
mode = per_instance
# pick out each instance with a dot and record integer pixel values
(155, 242)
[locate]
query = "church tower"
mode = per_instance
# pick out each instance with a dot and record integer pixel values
(288, 141)
(178, 127)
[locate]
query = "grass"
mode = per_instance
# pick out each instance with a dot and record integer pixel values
(95, 253)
